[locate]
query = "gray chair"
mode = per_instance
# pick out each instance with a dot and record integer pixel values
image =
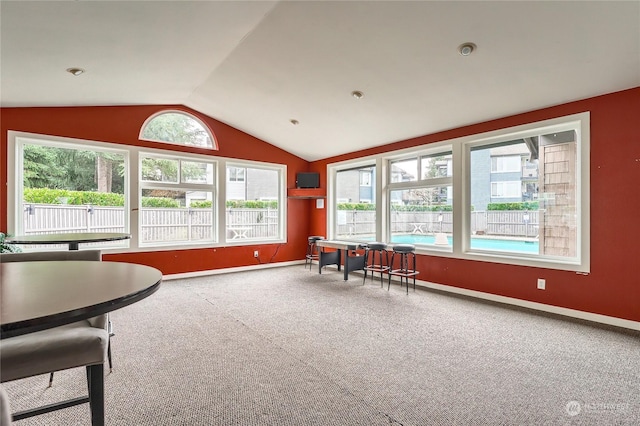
(80, 344)
(5, 409)
(101, 321)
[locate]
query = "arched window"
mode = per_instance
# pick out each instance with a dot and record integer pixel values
(178, 128)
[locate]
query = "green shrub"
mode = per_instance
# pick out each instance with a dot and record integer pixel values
(527, 205)
(160, 202)
(417, 208)
(204, 204)
(356, 206)
(251, 204)
(64, 196)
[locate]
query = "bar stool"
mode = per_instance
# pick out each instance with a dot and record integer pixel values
(370, 252)
(404, 252)
(312, 250)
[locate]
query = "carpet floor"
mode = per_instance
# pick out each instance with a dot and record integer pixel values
(287, 346)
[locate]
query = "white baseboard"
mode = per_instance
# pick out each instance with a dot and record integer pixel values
(588, 316)
(229, 270)
(573, 313)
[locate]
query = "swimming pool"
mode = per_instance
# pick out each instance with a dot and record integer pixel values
(476, 243)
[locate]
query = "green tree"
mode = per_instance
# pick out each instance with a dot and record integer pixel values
(176, 127)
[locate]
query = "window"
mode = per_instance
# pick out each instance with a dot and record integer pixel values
(505, 164)
(420, 204)
(177, 200)
(253, 202)
(537, 214)
(172, 200)
(517, 196)
(179, 128)
(356, 218)
(68, 187)
(509, 189)
(235, 174)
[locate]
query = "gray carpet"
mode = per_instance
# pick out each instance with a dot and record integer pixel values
(287, 346)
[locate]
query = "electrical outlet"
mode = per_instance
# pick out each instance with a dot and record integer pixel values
(541, 284)
(255, 253)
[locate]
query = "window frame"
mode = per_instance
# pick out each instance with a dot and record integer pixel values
(178, 185)
(214, 142)
(282, 201)
(133, 192)
(461, 162)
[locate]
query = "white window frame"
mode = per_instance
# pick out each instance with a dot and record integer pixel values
(503, 163)
(214, 142)
(503, 188)
(461, 148)
(178, 186)
(15, 184)
(133, 190)
(282, 202)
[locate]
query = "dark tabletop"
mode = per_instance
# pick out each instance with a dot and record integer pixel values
(39, 295)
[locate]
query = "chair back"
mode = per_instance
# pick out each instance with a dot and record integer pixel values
(51, 255)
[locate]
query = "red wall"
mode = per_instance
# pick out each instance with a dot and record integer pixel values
(121, 125)
(613, 286)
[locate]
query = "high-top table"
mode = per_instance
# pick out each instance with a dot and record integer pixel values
(351, 263)
(72, 239)
(36, 296)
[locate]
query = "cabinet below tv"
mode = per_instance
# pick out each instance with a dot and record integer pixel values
(306, 193)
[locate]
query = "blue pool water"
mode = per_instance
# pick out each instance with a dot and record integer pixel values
(476, 243)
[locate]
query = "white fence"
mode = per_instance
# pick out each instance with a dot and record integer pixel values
(176, 224)
(157, 224)
(499, 223)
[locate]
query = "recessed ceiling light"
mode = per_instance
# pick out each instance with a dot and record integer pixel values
(466, 49)
(294, 121)
(75, 71)
(357, 94)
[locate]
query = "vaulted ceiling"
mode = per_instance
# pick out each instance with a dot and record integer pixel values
(259, 65)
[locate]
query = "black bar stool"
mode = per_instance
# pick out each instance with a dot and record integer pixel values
(370, 252)
(404, 251)
(312, 250)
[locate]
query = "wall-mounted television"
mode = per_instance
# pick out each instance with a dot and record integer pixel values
(308, 180)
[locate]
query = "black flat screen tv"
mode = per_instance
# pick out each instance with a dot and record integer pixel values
(308, 180)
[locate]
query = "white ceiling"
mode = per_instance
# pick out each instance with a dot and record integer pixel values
(257, 65)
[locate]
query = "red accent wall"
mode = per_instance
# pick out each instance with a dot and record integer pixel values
(613, 286)
(121, 125)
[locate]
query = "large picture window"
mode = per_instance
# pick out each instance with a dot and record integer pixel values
(518, 195)
(254, 196)
(164, 199)
(355, 211)
(177, 202)
(69, 188)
